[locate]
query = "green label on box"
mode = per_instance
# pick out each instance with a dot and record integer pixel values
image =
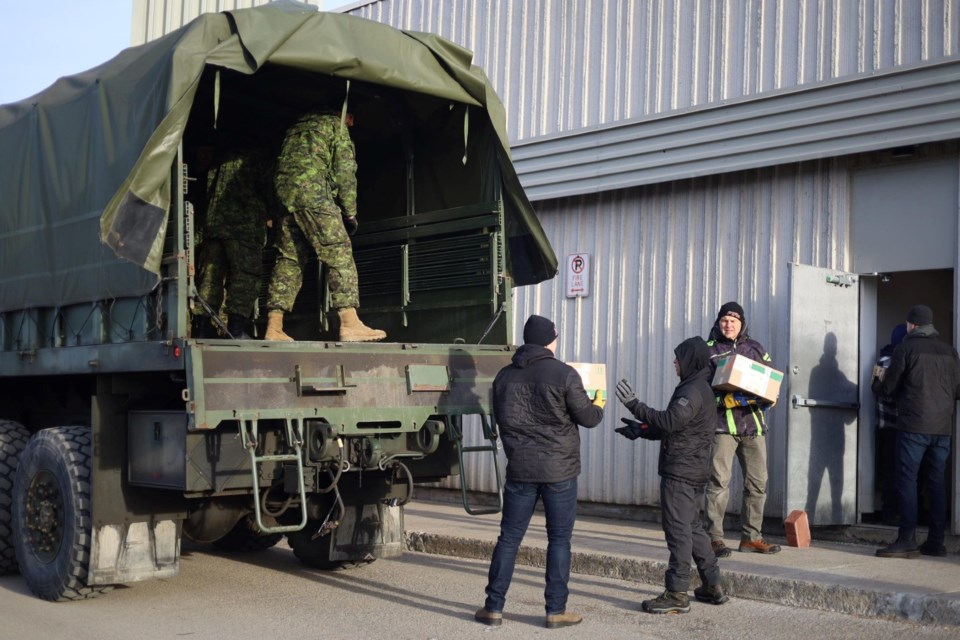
(776, 376)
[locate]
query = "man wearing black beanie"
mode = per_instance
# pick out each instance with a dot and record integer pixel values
(741, 434)
(924, 381)
(538, 402)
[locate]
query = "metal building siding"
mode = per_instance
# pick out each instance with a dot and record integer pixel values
(663, 259)
(562, 66)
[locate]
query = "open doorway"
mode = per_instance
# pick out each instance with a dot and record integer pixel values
(886, 298)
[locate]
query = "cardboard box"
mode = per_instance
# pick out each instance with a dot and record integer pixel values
(594, 377)
(740, 373)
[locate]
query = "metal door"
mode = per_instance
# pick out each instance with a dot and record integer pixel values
(822, 370)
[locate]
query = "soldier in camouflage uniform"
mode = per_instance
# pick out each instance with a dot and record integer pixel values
(317, 185)
(240, 205)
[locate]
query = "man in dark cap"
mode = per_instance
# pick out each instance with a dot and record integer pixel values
(538, 402)
(923, 379)
(740, 433)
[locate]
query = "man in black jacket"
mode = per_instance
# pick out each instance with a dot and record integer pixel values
(538, 402)
(685, 431)
(924, 380)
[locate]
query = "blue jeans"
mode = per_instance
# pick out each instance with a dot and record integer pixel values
(560, 508)
(916, 453)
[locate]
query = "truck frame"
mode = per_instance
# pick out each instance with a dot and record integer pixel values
(120, 431)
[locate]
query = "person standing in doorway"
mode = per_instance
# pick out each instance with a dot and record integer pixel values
(685, 431)
(886, 416)
(923, 379)
(740, 433)
(538, 402)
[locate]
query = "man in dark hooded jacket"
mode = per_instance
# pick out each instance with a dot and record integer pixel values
(685, 431)
(538, 402)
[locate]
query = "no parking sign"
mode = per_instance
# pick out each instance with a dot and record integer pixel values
(578, 275)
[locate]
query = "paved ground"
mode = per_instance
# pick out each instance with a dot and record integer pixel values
(844, 578)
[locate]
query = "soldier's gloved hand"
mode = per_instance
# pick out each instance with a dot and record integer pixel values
(625, 393)
(631, 429)
(350, 224)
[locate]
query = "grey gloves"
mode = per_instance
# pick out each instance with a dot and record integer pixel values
(625, 393)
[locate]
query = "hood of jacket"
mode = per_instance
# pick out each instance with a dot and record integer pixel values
(528, 353)
(693, 354)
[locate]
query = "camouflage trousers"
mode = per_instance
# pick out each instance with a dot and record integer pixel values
(321, 229)
(230, 267)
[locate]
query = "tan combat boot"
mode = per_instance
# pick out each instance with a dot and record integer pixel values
(352, 330)
(275, 327)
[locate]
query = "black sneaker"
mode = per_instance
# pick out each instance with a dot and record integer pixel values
(932, 549)
(711, 595)
(900, 549)
(668, 602)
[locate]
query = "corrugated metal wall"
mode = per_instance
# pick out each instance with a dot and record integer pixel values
(664, 258)
(561, 66)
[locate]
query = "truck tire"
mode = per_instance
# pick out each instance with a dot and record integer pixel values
(52, 516)
(13, 440)
(246, 536)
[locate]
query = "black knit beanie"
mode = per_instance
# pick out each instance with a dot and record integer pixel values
(732, 309)
(538, 330)
(920, 315)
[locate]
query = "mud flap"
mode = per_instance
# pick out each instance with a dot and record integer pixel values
(122, 553)
(367, 532)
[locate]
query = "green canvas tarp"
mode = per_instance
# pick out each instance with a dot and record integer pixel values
(98, 147)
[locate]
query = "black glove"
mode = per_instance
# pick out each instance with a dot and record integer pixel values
(350, 224)
(631, 429)
(625, 393)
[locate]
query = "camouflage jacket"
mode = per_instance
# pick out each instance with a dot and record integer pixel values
(240, 196)
(317, 166)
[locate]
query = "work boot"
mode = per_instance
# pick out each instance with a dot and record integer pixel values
(201, 328)
(719, 549)
(275, 327)
(489, 618)
(933, 549)
(902, 548)
(565, 619)
(235, 327)
(352, 330)
(712, 594)
(758, 546)
(668, 602)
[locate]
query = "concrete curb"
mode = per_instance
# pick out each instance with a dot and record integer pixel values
(838, 598)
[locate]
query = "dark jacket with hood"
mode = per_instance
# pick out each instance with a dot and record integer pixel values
(924, 380)
(686, 426)
(538, 402)
(740, 420)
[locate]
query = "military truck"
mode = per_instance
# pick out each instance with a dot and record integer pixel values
(120, 430)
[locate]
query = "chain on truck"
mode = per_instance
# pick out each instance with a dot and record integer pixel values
(120, 431)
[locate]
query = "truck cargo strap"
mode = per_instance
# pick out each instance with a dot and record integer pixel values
(489, 432)
(249, 436)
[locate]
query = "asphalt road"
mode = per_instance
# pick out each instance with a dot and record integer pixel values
(417, 597)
